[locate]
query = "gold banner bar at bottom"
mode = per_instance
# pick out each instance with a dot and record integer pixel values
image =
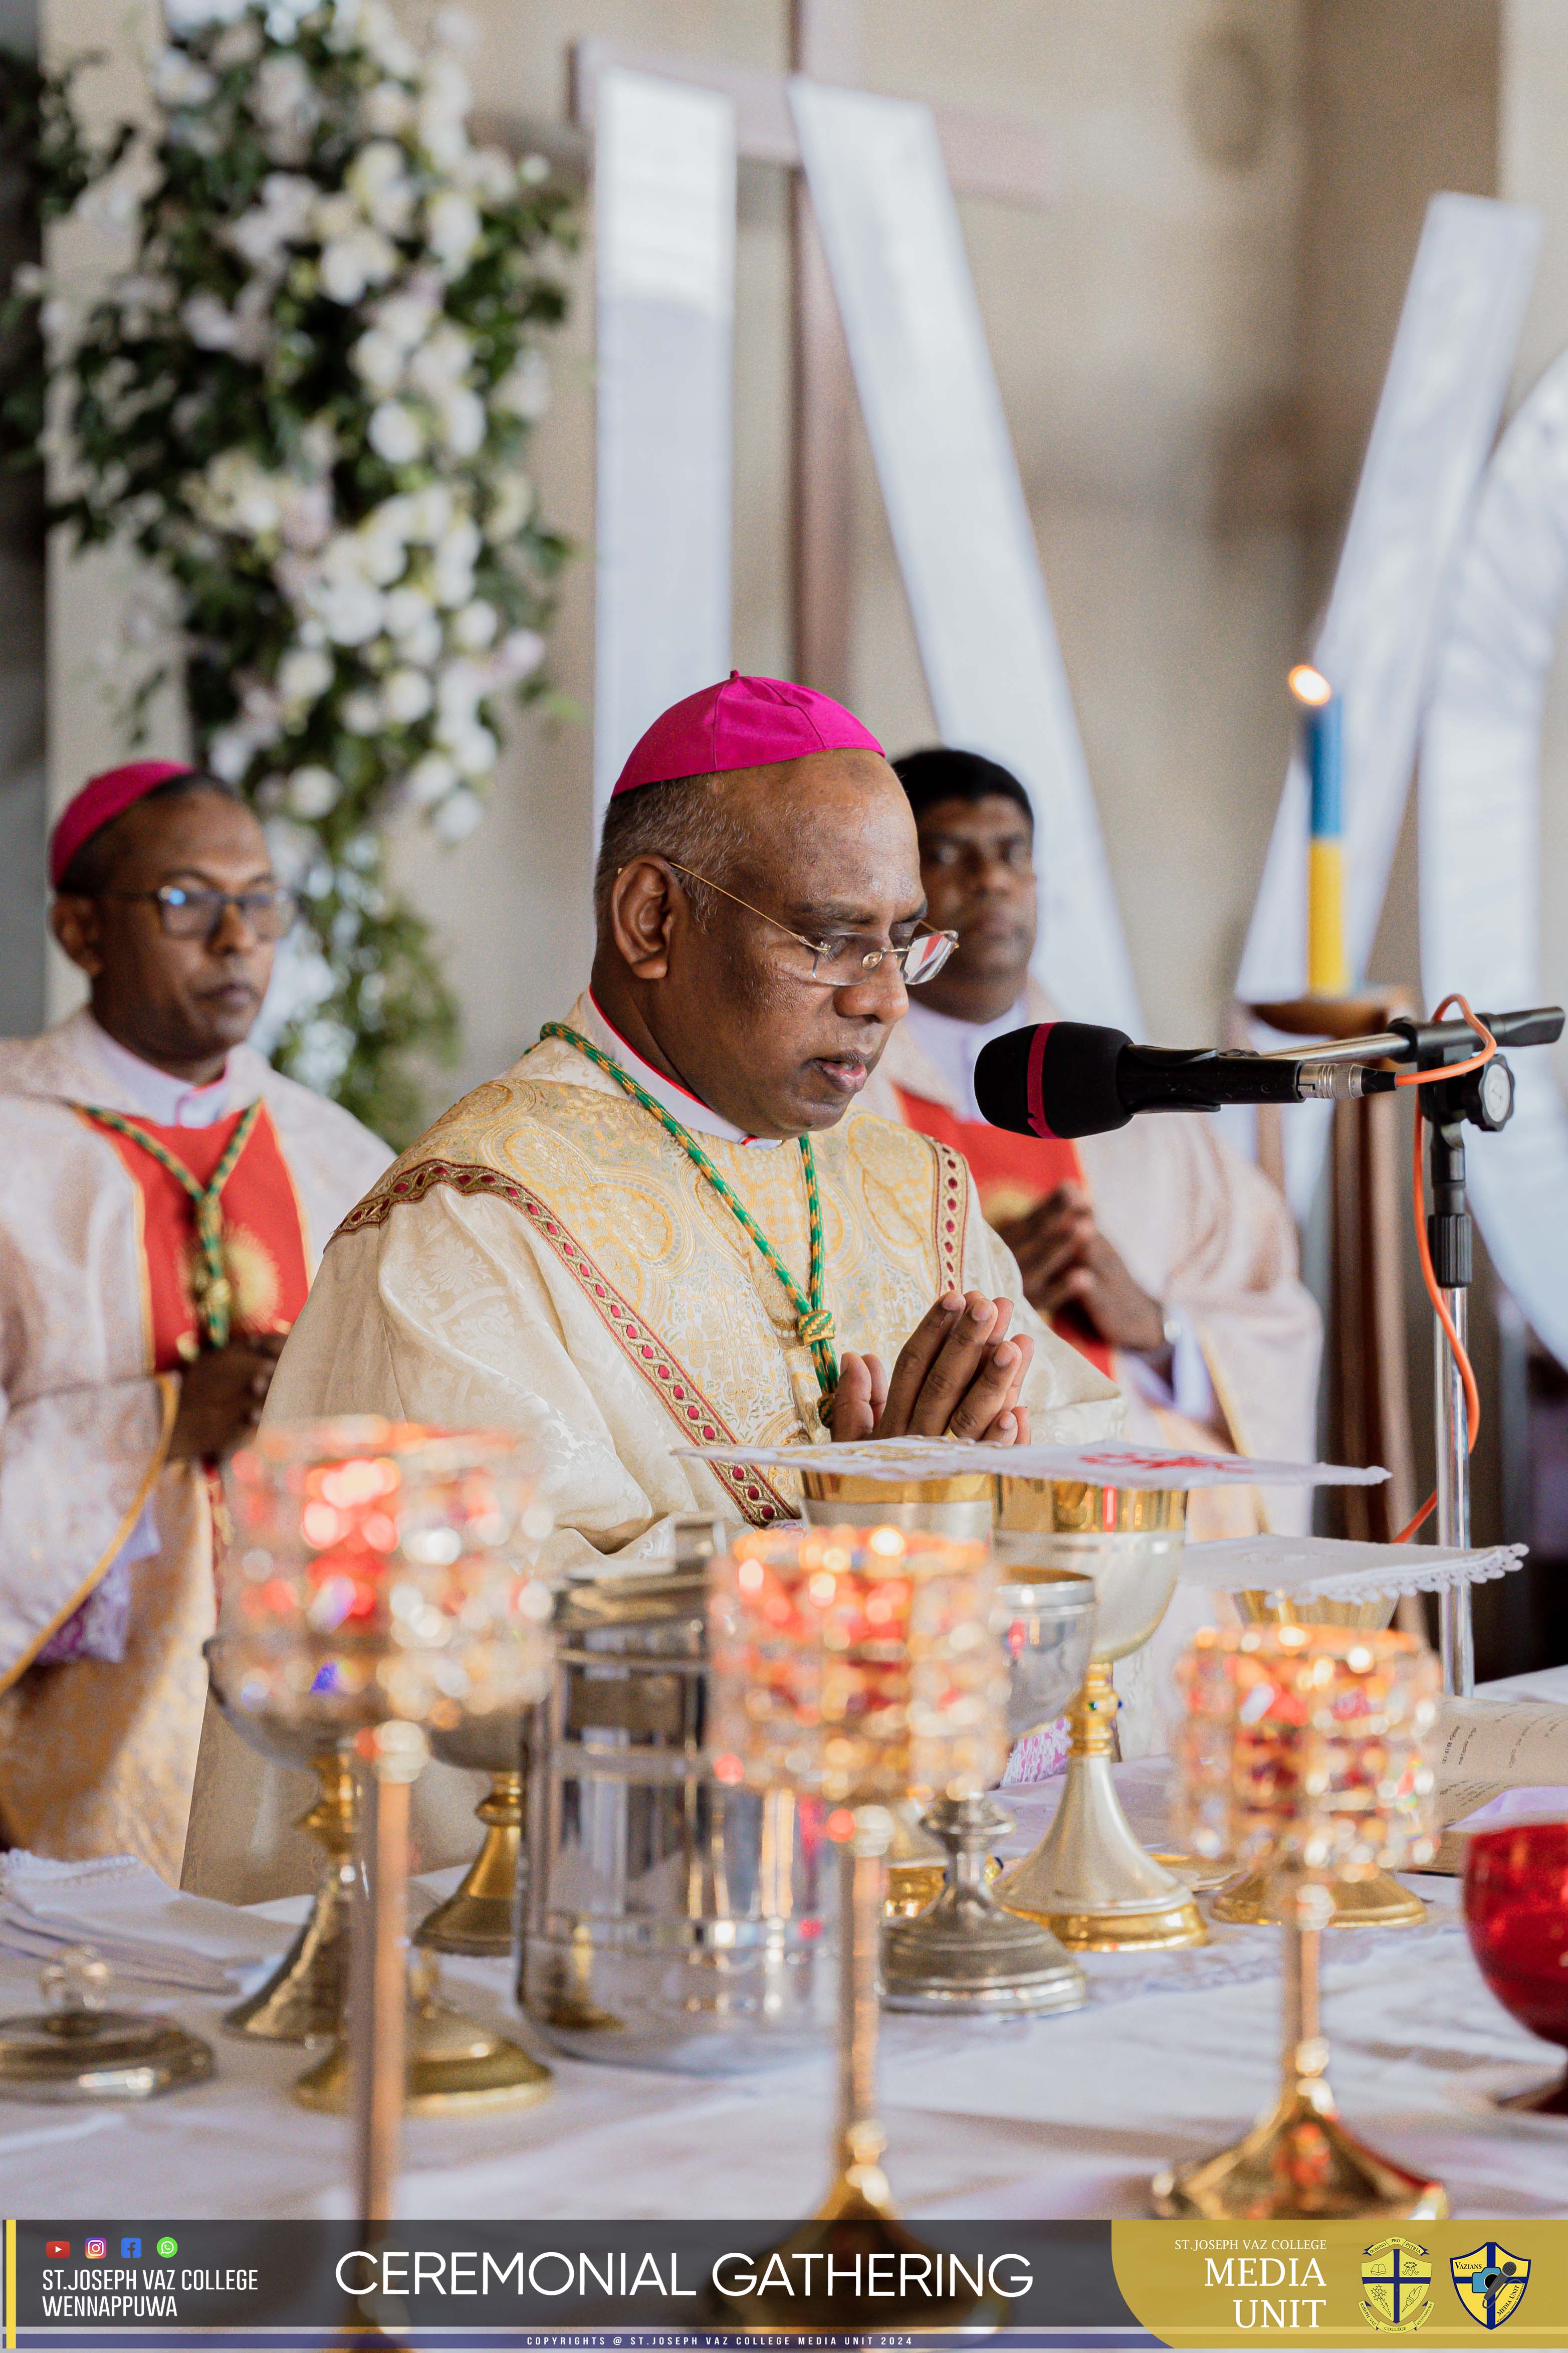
(1346, 2284)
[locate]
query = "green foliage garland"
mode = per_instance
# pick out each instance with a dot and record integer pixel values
(307, 401)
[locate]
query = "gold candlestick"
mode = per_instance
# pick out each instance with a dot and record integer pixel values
(394, 1756)
(377, 1589)
(1303, 1749)
(853, 1664)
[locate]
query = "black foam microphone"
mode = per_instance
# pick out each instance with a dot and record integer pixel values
(1069, 1078)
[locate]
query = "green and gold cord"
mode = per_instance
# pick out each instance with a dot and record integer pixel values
(814, 1317)
(214, 1292)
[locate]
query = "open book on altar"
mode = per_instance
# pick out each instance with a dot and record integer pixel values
(1491, 1752)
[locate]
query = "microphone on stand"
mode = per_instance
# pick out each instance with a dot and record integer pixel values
(1069, 1079)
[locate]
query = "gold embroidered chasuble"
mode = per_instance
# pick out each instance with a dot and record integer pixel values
(547, 1258)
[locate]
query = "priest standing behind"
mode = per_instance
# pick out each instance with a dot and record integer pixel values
(164, 1198)
(659, 1229)
(1168, 1260)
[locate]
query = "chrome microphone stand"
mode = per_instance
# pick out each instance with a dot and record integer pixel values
(1482, 1099)
(1479, 1098)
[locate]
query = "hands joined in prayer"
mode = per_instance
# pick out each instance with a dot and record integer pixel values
(221, 1396)
(957, 1375)
(1066, 1261)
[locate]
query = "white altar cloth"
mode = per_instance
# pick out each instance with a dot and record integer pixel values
(1055, 2116)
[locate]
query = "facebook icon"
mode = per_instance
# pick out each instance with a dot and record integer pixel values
(130, 2248)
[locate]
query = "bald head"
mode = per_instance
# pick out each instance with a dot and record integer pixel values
(823, 847)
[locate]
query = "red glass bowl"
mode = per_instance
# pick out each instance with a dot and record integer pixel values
(1516, 1910)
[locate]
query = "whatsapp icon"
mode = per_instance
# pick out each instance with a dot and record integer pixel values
(168, 2246)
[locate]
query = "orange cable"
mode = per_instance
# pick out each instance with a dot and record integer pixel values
(1428, 1273)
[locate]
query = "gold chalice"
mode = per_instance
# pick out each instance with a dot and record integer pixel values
(852, 1665)
(302, 2000)
(1377, 1901)
(478, 1914)
(375, 1595)
(1304, 1750)
(1089, 1879)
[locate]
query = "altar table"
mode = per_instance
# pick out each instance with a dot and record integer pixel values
(1055, 2116)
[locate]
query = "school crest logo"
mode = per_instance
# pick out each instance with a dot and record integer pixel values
(1490, 2283)
(1396, 2280)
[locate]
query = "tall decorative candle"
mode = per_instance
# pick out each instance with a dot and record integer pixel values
(1322, 742)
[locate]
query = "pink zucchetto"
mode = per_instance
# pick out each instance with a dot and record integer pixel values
(100, 799)
(746, 723)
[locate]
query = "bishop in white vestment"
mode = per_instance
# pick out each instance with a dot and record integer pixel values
(657, 1228)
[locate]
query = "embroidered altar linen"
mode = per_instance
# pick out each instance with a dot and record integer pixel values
(97, 1756)
(547, 1260)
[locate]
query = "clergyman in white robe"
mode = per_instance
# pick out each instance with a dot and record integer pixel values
(97, 1754)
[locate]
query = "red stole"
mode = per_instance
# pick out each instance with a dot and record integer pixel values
(263, 1232)
(1012, 1175)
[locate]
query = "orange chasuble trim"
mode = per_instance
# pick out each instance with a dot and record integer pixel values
(263, 1232)
(1012, 1175)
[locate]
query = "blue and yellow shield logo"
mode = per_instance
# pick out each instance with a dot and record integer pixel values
(1490, 2283)
(1396, 2278)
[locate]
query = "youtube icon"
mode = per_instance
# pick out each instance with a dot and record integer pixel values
(57, 2250)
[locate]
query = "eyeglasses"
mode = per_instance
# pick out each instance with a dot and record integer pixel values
(198, 914)
(852, 957)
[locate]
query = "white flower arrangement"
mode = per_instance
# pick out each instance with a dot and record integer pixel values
(308, 401)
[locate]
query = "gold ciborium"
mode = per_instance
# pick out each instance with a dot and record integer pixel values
(1089, 1879)
(1304, 1750)
(378, 1590)
(1378, 1901)
(852, 1665)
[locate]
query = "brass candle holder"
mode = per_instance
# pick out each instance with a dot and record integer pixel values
(1378, 1901)
(1089, 1879)
(1304, 1751)
(377, 1591)
(853, 1665)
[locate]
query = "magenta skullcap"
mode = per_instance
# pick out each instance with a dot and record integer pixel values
(746, 723)
(100, 799)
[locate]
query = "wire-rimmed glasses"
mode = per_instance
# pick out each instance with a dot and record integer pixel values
(850, 956)
(186, 915)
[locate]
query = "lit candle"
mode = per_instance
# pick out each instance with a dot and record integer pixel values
(1328, 973)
